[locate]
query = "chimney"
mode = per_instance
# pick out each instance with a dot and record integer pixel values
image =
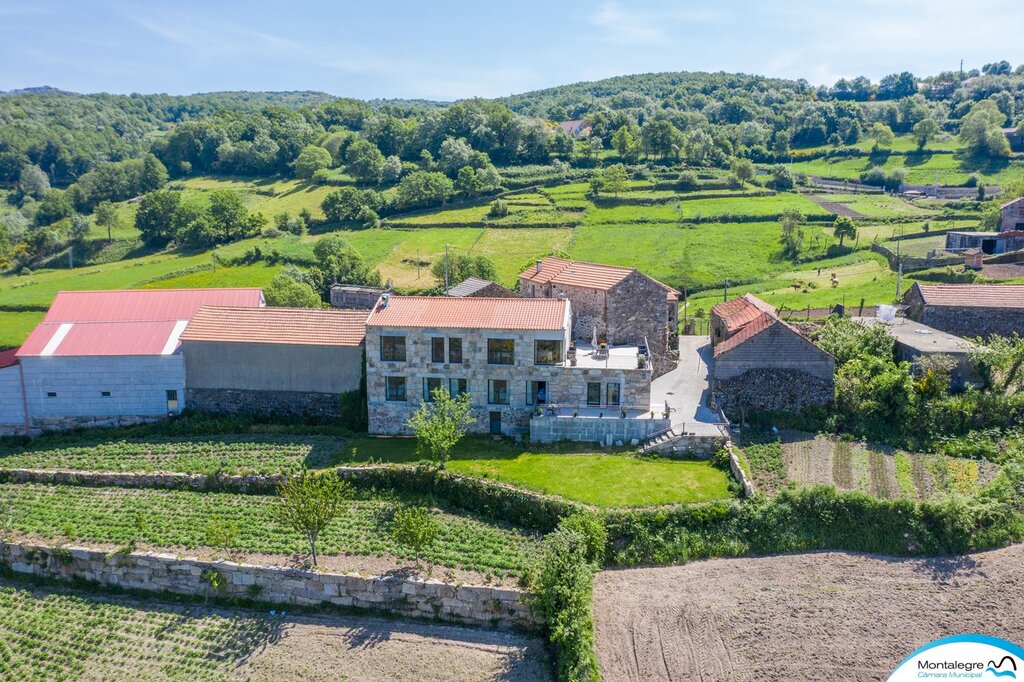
(538, 266)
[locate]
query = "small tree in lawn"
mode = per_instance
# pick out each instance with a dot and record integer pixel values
(415, 529)
(441, 424)
(309, 501)
(844, 228)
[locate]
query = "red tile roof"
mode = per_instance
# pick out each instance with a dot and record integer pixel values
(738, 312)
(973, 295)
(130, 322)
(750, 330)
(8, 357)
(291, 326)
(471, 313)
(582, 274)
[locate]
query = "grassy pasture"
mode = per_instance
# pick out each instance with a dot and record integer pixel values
(922, 169)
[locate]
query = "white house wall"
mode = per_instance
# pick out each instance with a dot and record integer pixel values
(12, 405)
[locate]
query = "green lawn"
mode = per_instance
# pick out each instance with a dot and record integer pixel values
(15, 327)
(706, 208)
(878, 205)
(570, 471)
(922, 169)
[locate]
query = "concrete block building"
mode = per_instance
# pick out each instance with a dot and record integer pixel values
(762, 363)
(513, 357)
(354, 296)
(281, 361)
(12, 398)
(623, 305)
(968, 310)
(110, 357)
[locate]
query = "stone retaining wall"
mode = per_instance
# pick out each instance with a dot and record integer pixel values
(265, 403)
(498, 607)
(546, 429)
(689, 445)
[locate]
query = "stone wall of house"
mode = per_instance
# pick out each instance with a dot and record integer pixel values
(1011, 217)
(772, 389)
(612, 429)
(968, 321)
(638, 310)
(278, 403)
(777, 347)
(589, 310)
(501, 607)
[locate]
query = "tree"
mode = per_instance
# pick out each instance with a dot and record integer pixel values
(846, 340)
(454, 154)
(439, 425)
(33, 182)
(467, 183)
(661, 138)
(286, 222)
(346, 204)
(792, 237)
(844, 228)
(364, 161)
(336, 261)
(897, 86)
(392, 170)
(882, 135)
(981, 130)
(154, 174)
(286, 292)
(782, 177)
(462, 266)
(612, 179)
(79, 228)
(875, 394)
(924, 130)
(421, 189)
(743, 169)
(626, 143)
(310, 160)
(56, 205)
(309, 502)
(105, 215)
(414, 528)
(230, 218)
(1001, 364)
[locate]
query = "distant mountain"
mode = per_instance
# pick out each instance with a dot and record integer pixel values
(39, 90)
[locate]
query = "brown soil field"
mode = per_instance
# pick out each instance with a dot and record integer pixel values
(817, 616)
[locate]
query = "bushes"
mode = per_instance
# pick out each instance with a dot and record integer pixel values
(563, 586)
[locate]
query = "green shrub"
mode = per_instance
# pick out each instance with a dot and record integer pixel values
(591, 528)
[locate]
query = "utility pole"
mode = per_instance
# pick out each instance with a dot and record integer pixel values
(417, 263)
(71, 257)
(899, 265)
(725, 291)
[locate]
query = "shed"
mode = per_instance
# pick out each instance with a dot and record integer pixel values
(355, 296)
(474, 286)
(968, 310)
(12, 399)
(915, 340)
(282, 361)
(974, 259)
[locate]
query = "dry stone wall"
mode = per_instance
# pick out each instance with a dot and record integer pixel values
(773, 389)
(277, 403)
(499, 607)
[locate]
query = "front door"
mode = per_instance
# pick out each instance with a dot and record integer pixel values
(496, 423)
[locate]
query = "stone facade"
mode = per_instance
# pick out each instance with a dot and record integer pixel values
(354, 296)
(565, 385)
(612, 429)
(773, 389)
(964, 320)
(1011, 215)
(500, 607)
(276, 403)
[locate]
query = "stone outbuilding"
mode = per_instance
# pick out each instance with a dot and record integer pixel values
(915, 341)
(729, 317)
(280, 361)
(354, 296)
(968, 310)
(623, 305)
(766, 364)
(1011, 215)
(480, 288)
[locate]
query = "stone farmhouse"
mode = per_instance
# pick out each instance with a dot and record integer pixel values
(514, 358)
(283, 361)
(763, 363)
(1011, 215)
(106, 357)
(967, 310)
(481, 288)
(622, 305)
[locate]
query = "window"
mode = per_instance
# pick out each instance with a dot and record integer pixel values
(51, 394)
(394, 389)
(437, 349)
(593, 393)
(454, 351)
(104, 394)
(536, 393)
(547, 352)
(431, 384)
(500, 351)
(457, 387)
(497, 392)
(392, 348)
(611, 394)
(172, 400)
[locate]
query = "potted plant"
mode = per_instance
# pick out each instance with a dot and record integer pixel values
(641, 361)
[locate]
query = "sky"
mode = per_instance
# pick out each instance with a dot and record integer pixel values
(446, 50)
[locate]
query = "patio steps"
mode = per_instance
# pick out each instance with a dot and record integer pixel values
(661, 440)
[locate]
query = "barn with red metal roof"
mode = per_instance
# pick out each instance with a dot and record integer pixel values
(110, 357)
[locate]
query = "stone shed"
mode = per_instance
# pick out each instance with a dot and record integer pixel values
(968, 310)
(915, 341)
(769, 365)
(282, 361)
(729, 317)
(476, 287)
(1011, 215)
(623, 305)
(354, 296)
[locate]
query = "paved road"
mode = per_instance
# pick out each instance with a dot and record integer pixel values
(686, 388)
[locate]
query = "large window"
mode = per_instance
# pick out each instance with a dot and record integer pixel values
(547, 352)
(457, 387)
(394, 389)
(497, 392)
(392, 348)
(501, 351)
(455, 351)
(437, 349)
(611, 394)
(536, 393)
(431, 384)
(593, 393)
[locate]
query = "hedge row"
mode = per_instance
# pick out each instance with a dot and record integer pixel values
(606, 201)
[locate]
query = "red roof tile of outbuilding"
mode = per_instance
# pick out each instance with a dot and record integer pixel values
(973, 295)
(738, 312)
(546, 314)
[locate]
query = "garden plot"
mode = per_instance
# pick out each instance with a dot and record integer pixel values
(852, 465)
(224, 454)
(245, 525)
(56, 634)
